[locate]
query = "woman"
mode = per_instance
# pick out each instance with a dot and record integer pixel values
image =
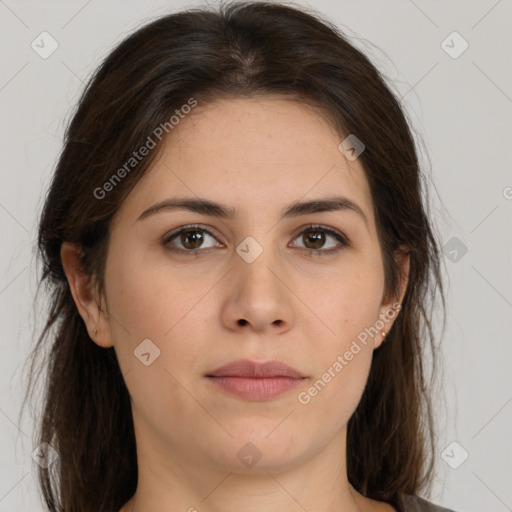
(240, 266)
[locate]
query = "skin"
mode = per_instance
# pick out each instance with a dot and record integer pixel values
(255, 155)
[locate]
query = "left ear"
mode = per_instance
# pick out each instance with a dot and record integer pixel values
(391, 305)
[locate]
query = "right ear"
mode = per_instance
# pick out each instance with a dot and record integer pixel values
(85, 297)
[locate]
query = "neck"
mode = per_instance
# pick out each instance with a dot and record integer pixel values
(169, 481)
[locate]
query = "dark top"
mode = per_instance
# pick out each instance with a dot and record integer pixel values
(409, 503)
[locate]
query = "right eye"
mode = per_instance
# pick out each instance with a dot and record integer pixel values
(191, 239)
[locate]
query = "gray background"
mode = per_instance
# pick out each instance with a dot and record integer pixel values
(461, 109)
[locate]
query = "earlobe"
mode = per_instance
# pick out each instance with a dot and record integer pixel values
(84, 296)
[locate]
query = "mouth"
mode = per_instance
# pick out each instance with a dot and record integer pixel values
(254, 380)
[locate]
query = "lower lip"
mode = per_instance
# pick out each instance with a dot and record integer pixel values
(256, 388)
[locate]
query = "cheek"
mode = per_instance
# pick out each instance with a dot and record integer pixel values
(152, 301)
(342, 367)
(349, 308)
(150, 298)
(347, 302)
(335, 390)
(149, 304)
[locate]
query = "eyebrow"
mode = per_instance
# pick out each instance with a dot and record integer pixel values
(214, 209)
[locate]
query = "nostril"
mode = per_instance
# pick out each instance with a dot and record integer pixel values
(242, 321)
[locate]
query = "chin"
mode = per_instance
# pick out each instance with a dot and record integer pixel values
(250, 452)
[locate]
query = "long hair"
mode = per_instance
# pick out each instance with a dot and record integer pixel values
(237, 50)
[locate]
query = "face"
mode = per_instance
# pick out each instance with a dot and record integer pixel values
(254, 284)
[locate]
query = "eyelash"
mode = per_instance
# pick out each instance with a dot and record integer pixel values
(310, 252)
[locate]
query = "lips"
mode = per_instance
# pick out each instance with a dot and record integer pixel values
(246, 368)
(256, 381)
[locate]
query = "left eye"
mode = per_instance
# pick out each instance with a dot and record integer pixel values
(192, 238)
(316, 235)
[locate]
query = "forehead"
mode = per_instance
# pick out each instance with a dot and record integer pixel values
(259, 153)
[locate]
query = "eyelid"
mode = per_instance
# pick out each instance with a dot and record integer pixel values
(189, 227)
(341, 237)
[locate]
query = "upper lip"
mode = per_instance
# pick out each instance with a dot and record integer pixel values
(247, 368)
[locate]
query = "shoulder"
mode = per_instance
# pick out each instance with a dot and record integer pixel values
(410, 503)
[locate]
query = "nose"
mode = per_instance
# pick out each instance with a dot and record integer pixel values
(258, 297)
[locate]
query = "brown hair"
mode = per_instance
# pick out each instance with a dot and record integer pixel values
(235, 50)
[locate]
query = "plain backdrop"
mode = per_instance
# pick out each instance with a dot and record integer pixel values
(459, 100)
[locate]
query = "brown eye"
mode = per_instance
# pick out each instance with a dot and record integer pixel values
(191, 239)
(188, 239)
(314, 239)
